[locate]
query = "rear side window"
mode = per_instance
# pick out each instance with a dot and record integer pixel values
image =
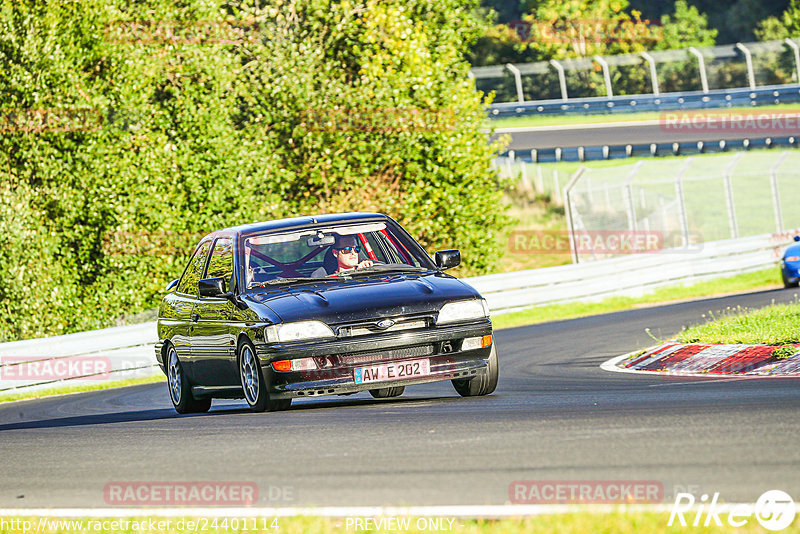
(221, 263)
(194, 270)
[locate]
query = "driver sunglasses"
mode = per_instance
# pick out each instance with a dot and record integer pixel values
(348, 250)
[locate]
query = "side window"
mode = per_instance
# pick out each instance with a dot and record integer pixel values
(194, 271)
(221, 263)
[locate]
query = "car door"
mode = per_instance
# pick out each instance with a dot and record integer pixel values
(185, 302)
(214, 343)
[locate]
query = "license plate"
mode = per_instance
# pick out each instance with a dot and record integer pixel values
(392, 371)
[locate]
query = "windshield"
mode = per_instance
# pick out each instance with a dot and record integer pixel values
(291, 257)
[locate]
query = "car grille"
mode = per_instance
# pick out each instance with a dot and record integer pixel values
(371, 327)
(391, 354)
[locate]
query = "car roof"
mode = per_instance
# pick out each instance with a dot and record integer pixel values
(297, 223)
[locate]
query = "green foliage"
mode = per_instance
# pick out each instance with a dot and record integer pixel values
(781, 353)
(783, 26)
(585, 28)
(129, 130)
(778, 324)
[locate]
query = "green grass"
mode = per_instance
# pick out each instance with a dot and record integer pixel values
(534, 120)
(63, 390)
(617, 521)
(778, 324)
(763, 279)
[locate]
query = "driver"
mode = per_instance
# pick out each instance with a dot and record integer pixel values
(345, 249)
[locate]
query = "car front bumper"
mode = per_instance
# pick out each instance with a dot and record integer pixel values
(440, 345)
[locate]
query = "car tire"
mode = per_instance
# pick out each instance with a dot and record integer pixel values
(180, 389)
(786, 283)
(482, 384)
(385, 393)
(254, 387)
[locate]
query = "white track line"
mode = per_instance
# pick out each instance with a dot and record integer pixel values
(465, 511)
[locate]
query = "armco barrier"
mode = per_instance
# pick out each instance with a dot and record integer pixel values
(127, 352)
(78, 359)
(689, 100)
(628, 276)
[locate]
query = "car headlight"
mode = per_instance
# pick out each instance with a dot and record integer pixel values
(463, 311)
(298, 331)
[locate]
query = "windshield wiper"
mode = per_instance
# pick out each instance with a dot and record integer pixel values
(388, 267)
(283, 281)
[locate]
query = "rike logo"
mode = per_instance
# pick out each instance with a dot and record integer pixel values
(774, 510)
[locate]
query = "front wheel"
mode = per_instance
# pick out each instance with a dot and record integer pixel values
(254, 386)
(482, 384)
(180, 389)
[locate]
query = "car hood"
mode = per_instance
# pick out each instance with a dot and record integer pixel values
(365, 297)
(792, 250)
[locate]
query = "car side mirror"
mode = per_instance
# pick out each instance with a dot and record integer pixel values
(447, 259)
(212, 287)
(797, 238)
(172, 285)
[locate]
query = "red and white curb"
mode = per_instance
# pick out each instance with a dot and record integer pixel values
(707, 360)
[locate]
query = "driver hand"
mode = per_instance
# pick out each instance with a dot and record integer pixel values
(365, 263)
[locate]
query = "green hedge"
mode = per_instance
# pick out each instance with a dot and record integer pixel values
(129, 129)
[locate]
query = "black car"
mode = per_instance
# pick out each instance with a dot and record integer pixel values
(271, 311)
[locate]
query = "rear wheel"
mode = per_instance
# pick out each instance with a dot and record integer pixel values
(254, 386)
(180, 389)
(482, 384)
(385, 393)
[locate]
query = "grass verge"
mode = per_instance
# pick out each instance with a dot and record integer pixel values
(63, 390)
(558, 120)
(620, 522)
(763, 279)
(778, 324)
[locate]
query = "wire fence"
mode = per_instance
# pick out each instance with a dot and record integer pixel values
(677, 202)
(742, 65)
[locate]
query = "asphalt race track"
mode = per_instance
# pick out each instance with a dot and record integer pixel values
(555, 416)
(633, 133)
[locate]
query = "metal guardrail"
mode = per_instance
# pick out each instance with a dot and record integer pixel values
(127, 352)
(693, 100)
(702, 98)
(684, 148)
(78, 359)
(628, 276)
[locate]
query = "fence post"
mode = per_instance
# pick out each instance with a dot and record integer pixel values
(701, 62)
(573, 244)
(509, 163)
(776, 197)
(748, 58)
(562, 79)
(518, 80)
(629, 196)
(556, 188)
(653, 73)
(606, 76)
(732, 222)
(796, 49)
(539, 181)
(684, 220)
